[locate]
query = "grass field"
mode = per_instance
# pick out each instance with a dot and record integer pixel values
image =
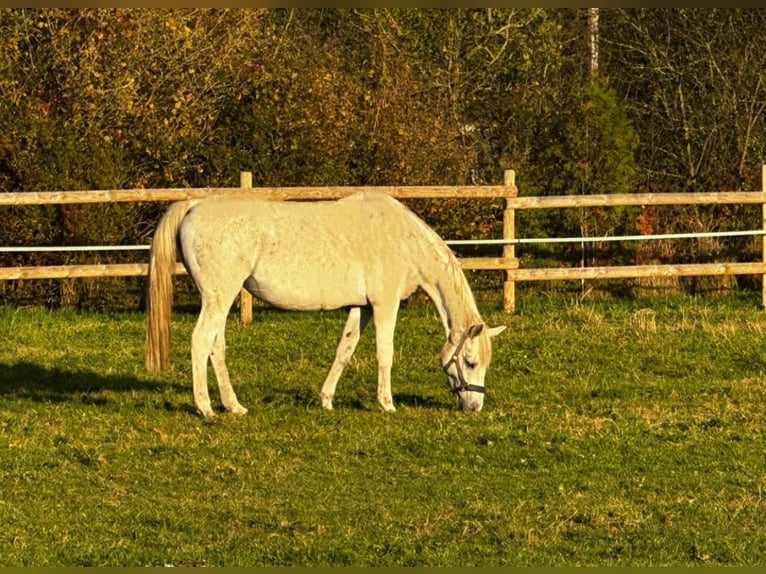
(613, 433)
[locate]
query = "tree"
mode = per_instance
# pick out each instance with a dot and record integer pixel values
(111, 98)
(694, 80)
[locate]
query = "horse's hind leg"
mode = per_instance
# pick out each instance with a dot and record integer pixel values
(208, 341)
(358, 318)
(218, 358)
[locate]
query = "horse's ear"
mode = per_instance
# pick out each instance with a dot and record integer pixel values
(495, 331)
(475, 330)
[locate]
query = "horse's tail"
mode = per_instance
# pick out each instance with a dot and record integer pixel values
(159, 302)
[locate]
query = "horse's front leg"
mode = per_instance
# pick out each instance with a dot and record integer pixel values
(357, 320)
(385, 322)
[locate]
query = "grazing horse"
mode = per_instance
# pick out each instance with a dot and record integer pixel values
(365, 252)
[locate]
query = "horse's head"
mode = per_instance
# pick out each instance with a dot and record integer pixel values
(465, 358)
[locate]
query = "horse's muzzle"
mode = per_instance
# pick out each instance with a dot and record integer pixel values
(469, 405)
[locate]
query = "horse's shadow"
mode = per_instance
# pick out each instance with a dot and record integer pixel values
(310, 398)
(419, 401)
(32, 382)
(39, 384)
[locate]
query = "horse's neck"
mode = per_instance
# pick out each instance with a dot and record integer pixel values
(453, 298)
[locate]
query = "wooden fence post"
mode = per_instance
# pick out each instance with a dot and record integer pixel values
(509, 232)
(763, 239)
(245, 298)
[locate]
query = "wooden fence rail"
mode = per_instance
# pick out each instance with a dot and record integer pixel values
(275, 193)
(507, 262)
(503, 263)
(637, 271)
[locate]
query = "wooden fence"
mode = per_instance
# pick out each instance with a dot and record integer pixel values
(504, 263)
(507, 262)
(637, 271)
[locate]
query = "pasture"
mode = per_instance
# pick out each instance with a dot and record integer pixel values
(613, 433)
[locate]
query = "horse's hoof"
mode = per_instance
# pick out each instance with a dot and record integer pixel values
(326, 401)
(238, 410)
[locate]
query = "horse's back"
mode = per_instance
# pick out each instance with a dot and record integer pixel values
(371, 219)
(306, 255)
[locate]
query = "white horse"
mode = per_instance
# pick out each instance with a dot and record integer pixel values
(366, 252)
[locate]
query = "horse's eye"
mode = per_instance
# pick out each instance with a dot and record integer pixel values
(469, 364)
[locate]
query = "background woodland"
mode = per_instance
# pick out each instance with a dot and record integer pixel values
(660, 100)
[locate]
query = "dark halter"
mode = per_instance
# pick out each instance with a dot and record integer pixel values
(455, 358)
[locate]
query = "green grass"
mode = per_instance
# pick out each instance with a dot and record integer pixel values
(614, 433)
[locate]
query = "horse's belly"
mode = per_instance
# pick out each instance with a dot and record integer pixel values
(307, 291)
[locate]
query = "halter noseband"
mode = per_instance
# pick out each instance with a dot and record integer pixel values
(464, 385)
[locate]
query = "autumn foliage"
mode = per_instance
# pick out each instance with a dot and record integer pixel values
(124, 98)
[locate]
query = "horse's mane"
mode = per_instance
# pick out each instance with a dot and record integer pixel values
(453, 272)
(460, 284)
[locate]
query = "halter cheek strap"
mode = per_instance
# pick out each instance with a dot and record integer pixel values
(455, 358)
